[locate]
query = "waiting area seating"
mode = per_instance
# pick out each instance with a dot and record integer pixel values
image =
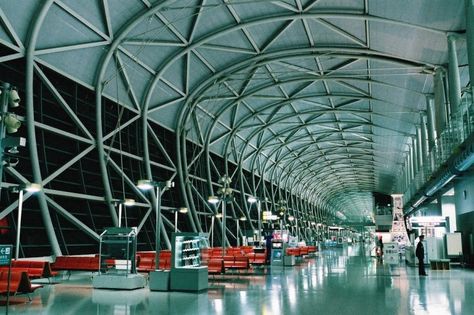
(76, 263)
(234, 258)
(146, 261)
(439, 264)
(19, 283)
(34, 268)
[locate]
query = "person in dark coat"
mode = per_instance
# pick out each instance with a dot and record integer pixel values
(420, 254)
(380, 244)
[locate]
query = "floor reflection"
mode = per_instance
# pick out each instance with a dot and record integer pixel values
(338, 281)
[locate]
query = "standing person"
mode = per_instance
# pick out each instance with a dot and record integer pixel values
(380, 245)
(420, 254)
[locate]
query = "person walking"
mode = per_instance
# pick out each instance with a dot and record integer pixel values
(420, 254)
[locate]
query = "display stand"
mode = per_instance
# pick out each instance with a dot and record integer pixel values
(187, 271)
(117, 260)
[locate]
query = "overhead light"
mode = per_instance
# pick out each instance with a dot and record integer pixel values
(218, 215)
(129, 202)
(32, 187)
(183, 210)
(213, 199)
(145, 184)
(291, 218)
(243, 218)
(252, 199)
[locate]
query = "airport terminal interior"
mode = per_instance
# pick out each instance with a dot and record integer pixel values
(236, 157)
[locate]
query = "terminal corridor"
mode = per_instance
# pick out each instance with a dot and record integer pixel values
(337, 281)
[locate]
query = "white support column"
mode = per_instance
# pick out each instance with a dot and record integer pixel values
(453, 76)
(470, 38)
(419, 150)
(430, 123)
(439, 103)
(431, 130)
(424, 139)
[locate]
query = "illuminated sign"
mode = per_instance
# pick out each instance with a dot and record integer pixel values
(5, 255)
(432, 221)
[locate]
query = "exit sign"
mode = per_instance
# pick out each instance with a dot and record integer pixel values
(5, 255)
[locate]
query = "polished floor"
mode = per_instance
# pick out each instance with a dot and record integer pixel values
(338, 281)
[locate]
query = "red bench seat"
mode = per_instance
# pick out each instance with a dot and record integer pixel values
(82, 263)
(19, 283)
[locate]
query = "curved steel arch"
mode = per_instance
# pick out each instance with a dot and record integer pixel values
(30, 120)
(220, 33)
(99, 86)
(152, 9)
(185, 111)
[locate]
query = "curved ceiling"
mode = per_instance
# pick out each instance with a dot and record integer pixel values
(326, 93)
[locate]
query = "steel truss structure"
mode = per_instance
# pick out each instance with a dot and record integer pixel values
(309, 105)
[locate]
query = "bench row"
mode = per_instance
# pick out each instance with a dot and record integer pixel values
(146, 260)
(34, 268)
(300, 251)
(19, 283)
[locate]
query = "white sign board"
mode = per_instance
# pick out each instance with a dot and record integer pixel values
(453, 244)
